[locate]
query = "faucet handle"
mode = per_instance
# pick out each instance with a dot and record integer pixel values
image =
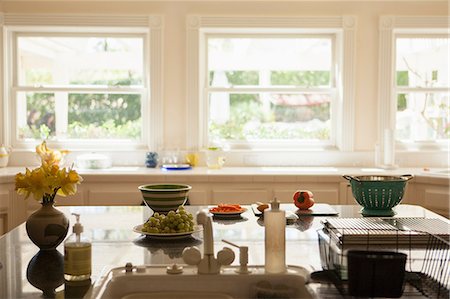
(192, 256)
(225, 257)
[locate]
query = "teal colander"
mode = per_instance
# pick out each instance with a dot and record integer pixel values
(378, 194)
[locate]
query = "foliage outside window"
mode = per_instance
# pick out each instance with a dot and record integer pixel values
(422, 84)
(79, 87)
(263, 88)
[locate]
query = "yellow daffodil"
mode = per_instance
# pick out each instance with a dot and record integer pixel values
(49, 179)
(68, 183)
(48, 155)
(33, 182)
(22, 183)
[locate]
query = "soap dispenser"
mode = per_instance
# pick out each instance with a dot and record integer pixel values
(77, 254)
(275, 238)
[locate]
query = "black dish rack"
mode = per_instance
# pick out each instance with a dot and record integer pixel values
(383, 261)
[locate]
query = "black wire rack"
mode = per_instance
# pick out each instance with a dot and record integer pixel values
(385, 262)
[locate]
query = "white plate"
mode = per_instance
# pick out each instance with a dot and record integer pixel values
(228, 214)
(166, 236)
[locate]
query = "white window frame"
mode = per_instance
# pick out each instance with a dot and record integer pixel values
(147, 27)
(390, 27)
(343, 27)
(248, 33)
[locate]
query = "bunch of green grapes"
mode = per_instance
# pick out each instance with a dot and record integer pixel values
(180, 221)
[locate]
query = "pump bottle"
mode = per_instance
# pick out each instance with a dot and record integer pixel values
(77, 254)
(275, 238)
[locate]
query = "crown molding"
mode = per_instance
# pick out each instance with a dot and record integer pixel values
(22, 19)
(223, 1)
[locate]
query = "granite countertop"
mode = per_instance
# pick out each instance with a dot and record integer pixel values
(115, 243)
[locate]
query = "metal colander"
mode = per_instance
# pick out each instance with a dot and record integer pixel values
(378, 194)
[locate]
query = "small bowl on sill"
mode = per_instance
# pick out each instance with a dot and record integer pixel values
(93, 161)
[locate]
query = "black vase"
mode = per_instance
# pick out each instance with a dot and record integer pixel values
(46, 271)
(47, 227)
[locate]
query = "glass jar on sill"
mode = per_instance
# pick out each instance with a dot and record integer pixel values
(215, 158)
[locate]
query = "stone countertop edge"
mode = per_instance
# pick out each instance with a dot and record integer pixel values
(254, 174)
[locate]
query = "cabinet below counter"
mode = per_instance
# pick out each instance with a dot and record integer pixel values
(244, 185)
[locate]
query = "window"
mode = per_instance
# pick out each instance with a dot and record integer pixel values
(74, 87)
(84, 86)
(264, 88)
(414, 85)
(422, 88)
(271, 83)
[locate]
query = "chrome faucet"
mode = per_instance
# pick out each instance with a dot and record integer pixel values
(208, 264)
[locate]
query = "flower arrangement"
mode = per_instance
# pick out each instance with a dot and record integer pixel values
(48, 180)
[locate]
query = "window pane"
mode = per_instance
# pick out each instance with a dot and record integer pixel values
(267, 116)
(290, 61)
(89, 116)
(301, 78)
(104, 116)
(38, 119)
(226, 78)
(422, 62)
(423, 116)
(45, 60)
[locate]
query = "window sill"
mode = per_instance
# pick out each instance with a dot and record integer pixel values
(262, 158)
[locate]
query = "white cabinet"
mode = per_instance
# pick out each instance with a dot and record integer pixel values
(113, 194)
(323, 193)
(251, 192)
(198, 197)
(5, 207)
(13, 208)
(209, 189)
(434, 197)
(3, 220)
(235, 196)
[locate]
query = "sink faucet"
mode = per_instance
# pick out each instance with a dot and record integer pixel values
(208, 264)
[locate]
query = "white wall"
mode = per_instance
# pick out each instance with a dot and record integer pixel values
(367, 13)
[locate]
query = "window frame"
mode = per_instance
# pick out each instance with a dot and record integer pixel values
(414, 145)
(149, 28)
(342, 27)
(54, 89)
(392, 27)
(266, 144)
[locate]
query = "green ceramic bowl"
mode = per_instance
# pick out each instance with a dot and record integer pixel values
(163, 198)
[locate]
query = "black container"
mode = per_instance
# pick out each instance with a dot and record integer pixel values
(151, 159)
(376, 273)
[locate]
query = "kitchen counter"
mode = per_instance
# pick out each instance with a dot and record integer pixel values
(118, 186)
(255, 174)
(114, 244)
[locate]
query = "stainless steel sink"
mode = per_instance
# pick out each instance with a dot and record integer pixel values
(155, 282)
